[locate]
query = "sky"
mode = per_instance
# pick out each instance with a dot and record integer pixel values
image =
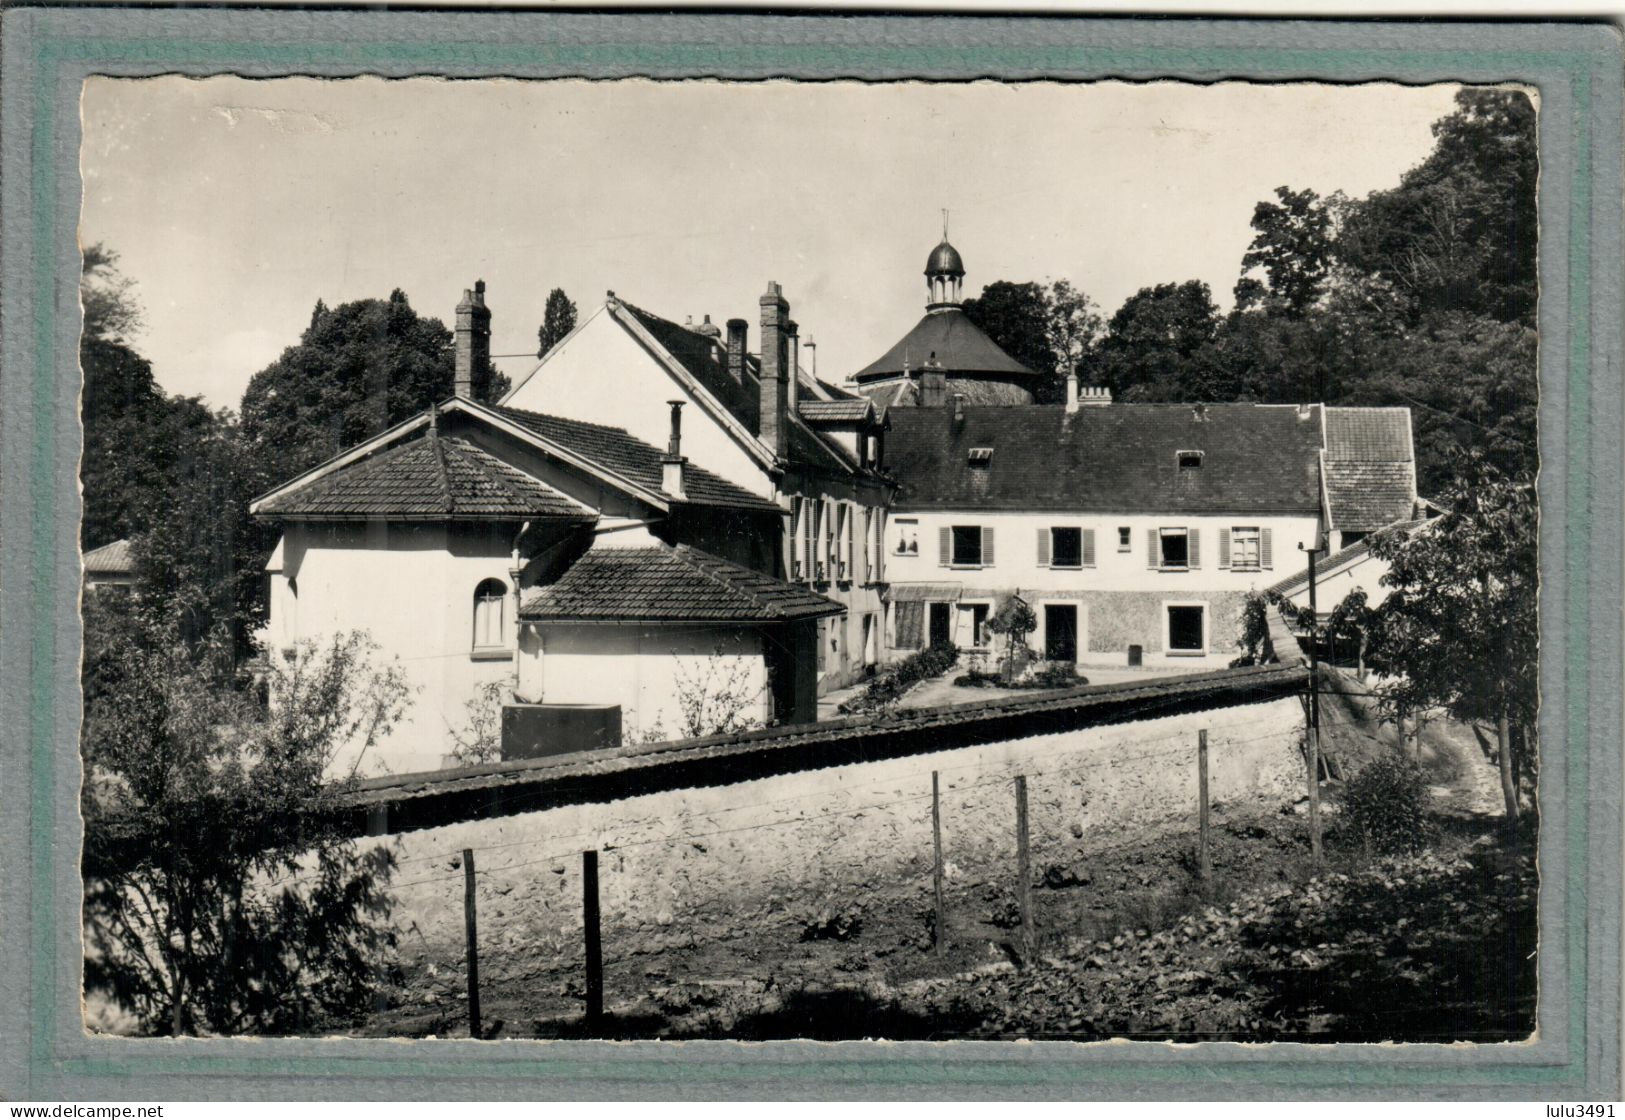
(235, 204)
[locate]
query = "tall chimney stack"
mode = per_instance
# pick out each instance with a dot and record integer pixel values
(737, 329)
(791, 331)
(671, 463)
(473, 336)
(773, 423)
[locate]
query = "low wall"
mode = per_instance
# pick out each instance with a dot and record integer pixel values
(692, 862)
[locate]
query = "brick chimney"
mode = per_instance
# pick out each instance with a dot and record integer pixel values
(933, 383)
(737, 329)
(473, 335)
(794, 349)
(773, 423)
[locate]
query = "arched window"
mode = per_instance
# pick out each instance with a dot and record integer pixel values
(490, 607)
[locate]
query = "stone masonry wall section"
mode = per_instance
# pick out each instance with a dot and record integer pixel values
(678, 863)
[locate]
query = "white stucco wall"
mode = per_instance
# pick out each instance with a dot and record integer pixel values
(645, 669)
(411, 588)
(1121, 599)
(1330, 590)
(603, 375)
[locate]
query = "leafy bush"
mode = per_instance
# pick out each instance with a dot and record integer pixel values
(1385, 804)
(887, 686)
(1057, 674)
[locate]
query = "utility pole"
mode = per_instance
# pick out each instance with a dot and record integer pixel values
(1314, 712)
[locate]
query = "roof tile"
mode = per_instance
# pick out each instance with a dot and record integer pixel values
(663, 583)
(431, 476)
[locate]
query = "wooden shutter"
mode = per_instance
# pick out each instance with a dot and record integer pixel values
(945, 546)
(850, 541)
(1043, 548)
(1153, 559)
(808, 537)
(1224, 546)
(1265, 561)
(987, 546)
(877, 570)
(1088, 548)
(1193, 546)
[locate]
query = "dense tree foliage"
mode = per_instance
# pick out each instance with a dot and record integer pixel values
(1017, 317)
(1422, 295)
(1458, 628)
(222, 897)
(358, 368)
(558, 320)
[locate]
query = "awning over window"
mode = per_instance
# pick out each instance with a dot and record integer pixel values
(924, 593)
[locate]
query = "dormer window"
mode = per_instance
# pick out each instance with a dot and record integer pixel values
(981, 456)
(1189, 460)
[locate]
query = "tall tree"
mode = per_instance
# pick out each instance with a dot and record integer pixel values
(1459, 232)
(1292, 247)
(1151, 342)
(1017, 317)
(1073, 326)
(357, 369)
(558, 320)
(1460, 623)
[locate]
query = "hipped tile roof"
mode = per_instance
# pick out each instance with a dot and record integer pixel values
(623, 454)
(1121, 458)
(432, 476)
(663, 583)
(110, 559)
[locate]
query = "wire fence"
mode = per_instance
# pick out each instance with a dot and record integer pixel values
(907, 801)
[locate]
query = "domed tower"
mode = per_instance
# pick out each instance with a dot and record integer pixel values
(945, 355)
(944, 277)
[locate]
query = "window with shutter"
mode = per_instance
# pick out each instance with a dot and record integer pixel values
(1088, 548)
(1193, 547)
(1245, 548)
(1043, 548)
(1224, 547)
(798, 531)
(1066, 547)
(987, 546)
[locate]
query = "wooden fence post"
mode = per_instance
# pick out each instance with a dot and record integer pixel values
(472, 934)
(1204, 864)
(595, 945)
(1024, 883)
(936, 867)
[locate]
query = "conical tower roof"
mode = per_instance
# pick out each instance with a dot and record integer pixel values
(959, 346)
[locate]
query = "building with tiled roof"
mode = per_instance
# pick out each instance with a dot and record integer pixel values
(430, 536)
(758, 419)
(111, 565)
(945, 354)
(1134, 531)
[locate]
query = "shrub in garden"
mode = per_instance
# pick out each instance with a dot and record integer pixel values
(888, 685)
(1385, 806)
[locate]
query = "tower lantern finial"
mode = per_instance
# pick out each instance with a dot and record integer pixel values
(945, 224)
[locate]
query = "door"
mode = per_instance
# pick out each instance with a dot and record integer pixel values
(1061, 633)
(941, 632)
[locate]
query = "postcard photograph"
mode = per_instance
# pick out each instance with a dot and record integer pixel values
(697, 560)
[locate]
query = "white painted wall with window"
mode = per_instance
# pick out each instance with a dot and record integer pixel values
(1111, 552)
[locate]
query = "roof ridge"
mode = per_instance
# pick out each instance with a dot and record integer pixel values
(697, 558)
(476, 456)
